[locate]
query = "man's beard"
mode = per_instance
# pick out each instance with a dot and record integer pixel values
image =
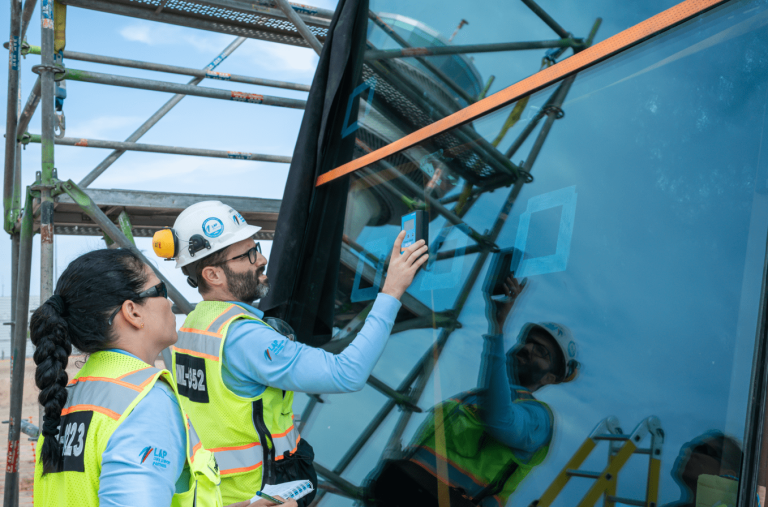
(246, 287)
(523, 374)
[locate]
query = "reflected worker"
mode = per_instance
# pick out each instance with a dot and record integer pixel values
(488, 439)
(236, 374)
(707, 471)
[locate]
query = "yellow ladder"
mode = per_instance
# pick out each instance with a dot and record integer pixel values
(621, 448)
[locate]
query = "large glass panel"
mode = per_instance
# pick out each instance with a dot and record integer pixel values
(426, 60)
(634, 228)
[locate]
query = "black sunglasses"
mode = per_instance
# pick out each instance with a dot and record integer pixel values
(153, 292)
(251, 254)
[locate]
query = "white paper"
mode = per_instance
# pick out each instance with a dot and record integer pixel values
(294, 489)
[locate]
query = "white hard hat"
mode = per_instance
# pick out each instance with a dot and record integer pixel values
(207, 227)
(564, 339)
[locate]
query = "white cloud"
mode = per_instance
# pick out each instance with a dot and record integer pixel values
(199, 175)
(100, 127)
(280, 57)
(155, 34)
(138, 33)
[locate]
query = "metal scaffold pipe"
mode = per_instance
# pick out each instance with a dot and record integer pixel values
(159, 114)
(338, 481)
(174, 69)
(301, 27)
(382, 54)
(29, 109)
(12, 111)
(541, 13)
(164, 86)
(173, 150)
(18, 356)
(51, 35)
(26, 16)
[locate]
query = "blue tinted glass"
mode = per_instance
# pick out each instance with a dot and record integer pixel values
(599, 257)
(428, 59)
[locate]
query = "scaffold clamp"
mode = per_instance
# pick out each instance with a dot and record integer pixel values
(39, 69)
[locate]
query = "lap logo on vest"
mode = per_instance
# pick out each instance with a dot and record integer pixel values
(191, 378)
(73, 434)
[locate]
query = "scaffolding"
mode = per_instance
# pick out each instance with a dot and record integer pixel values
(53, 206)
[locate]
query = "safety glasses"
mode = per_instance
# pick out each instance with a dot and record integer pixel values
(540, 351)
(251, 254)
(153, 292)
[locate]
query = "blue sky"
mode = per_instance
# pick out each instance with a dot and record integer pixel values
(113, 113)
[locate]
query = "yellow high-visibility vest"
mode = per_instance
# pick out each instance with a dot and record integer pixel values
(248, 435)
(482, 467)
(99, 398)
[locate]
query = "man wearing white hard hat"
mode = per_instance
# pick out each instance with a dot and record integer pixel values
(236, 373)
(490, 437)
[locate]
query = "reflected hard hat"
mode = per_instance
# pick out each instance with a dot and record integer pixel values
(205, 228)
(565, 342)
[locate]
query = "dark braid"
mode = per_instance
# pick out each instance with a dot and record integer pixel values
(52, 349)
(91, 287)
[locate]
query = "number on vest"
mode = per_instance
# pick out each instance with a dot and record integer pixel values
(190, 377)
(73, 434)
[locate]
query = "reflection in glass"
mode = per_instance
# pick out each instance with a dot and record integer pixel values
(413, 75)
(633, 219)
(707, 470)
(426, 60)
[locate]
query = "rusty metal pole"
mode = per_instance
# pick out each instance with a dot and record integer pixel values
(12, 113)
(46, 70)
(18, 355)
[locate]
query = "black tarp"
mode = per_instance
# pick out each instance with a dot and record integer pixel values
(304, 262)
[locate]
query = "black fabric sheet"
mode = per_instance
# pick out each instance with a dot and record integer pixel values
(304, 263)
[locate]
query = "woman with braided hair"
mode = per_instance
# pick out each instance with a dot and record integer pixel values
(115, 434)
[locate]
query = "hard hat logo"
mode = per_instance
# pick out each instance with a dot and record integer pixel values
(213, 227)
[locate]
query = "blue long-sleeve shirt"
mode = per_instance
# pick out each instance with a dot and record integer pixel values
(256, 356)
(143, 464)
(524, 426)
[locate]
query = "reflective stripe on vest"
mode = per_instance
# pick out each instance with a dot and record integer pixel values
(251, 456)
(457, 477)
(206, 343)
(288, 441)
(194, 441)
(219, 322)
(107, 396)
(141, 377)
(197, 344)
(242, 458)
